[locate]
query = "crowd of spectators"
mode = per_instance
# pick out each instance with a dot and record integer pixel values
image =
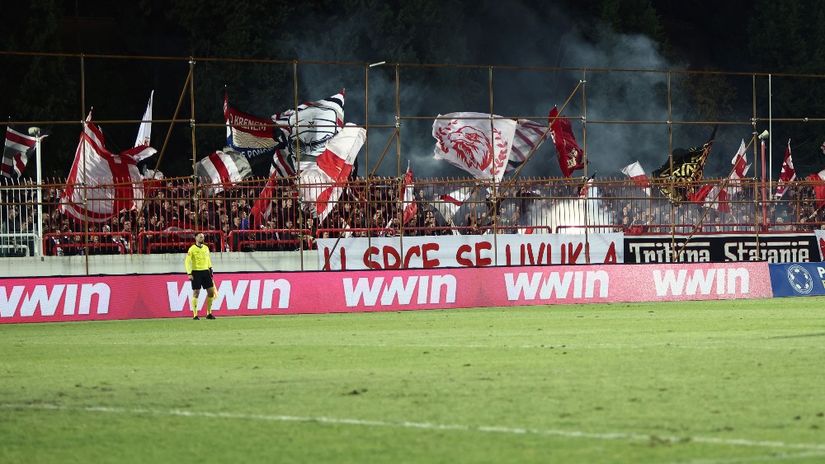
(172, 209)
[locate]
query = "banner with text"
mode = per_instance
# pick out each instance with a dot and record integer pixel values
(721, 248)
(58, 299)
(449, 251)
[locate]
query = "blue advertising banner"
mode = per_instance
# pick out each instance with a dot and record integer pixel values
(798, 279)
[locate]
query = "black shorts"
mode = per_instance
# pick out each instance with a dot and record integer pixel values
(202, 279)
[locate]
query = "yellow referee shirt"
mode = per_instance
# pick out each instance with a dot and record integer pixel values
(197, 259)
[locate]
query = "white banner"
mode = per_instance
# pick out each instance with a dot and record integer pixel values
(468, 251)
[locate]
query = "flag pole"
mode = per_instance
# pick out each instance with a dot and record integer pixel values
(532, 152)
(174, 117)
(770, 130)
(764, 192)
(546, 131)
(701, 222)
(36, 132)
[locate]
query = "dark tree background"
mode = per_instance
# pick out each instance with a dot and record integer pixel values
(760, 35)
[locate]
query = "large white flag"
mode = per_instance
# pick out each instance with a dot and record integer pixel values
(475, 143)
(100, 183)
(144, 135)
(322, 183)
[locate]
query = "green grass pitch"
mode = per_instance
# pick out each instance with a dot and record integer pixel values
(718, 382)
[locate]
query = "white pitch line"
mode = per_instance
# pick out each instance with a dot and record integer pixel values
(618, 436)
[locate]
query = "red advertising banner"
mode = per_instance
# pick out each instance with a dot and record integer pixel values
(58, 299)
(469, 251)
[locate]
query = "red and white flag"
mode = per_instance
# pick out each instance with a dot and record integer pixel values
(529, 137)
(636, 173)
(16, 153)
(222, 169)
(321, 184)
(450, 203)
(475, 143)
(739, 169)
(259, 140)
(408, 196)
(712, 196)
(101, 184)
(571, 156)
(718, 196)
(787, 175)
(819, 187)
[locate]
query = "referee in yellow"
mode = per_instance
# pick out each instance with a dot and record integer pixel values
(199, 269)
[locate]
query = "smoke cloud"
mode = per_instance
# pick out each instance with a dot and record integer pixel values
(548, 37)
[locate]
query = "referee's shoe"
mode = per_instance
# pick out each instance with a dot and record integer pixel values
(210, 316)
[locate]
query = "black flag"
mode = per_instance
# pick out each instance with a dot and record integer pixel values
(677, 183)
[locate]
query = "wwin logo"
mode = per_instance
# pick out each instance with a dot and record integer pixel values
(248, 294)
(399, 290)
(54, 299)
(733, 281)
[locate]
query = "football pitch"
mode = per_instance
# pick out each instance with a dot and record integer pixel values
(696, 382)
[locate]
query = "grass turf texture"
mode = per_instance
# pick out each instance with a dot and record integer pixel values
(663, 382)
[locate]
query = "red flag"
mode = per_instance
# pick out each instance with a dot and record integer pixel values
(262, 208)
(571, 156)
(787, 175)
(700, 195)
(819, 187)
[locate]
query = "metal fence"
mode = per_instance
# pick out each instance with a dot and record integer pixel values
(619, 115)
(172, 211)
